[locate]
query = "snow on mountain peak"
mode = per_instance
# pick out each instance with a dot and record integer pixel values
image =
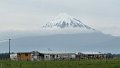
(66, 23)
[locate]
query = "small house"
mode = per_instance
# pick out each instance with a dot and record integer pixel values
(24, 56)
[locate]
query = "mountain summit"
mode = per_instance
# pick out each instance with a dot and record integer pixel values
(66, 21)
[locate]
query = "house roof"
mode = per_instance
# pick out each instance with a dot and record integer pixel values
(23, 52)
(55, 52)
(91, 52)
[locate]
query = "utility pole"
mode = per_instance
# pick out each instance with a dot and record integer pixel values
(9, 47)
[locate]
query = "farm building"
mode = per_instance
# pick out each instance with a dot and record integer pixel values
(93, 55)
(24, 56)
(59, 56)
(37, 56)
(30, 56)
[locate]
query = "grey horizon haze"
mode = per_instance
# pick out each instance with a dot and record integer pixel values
(30, 15)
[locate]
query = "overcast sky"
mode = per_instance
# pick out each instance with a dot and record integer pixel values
(23, 15)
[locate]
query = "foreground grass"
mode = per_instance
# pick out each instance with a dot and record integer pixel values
(62, 64)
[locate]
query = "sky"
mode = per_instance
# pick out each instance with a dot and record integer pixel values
(30, 15)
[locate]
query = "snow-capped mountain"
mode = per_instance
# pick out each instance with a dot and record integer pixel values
(65, 21)
(63, 33)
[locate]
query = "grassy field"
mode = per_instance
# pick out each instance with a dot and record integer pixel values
(62, 64)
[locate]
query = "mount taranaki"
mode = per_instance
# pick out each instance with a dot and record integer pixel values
(66, 34)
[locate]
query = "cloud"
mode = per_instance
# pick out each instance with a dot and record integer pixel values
(31, 14)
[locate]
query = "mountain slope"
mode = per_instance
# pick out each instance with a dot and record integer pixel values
(67, 42)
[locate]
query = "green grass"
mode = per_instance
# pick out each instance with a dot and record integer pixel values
(62, 64)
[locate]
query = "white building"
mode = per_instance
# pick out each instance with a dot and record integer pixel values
(59, 56)
(13, 56)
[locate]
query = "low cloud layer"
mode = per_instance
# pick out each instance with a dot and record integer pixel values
(27, 15)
